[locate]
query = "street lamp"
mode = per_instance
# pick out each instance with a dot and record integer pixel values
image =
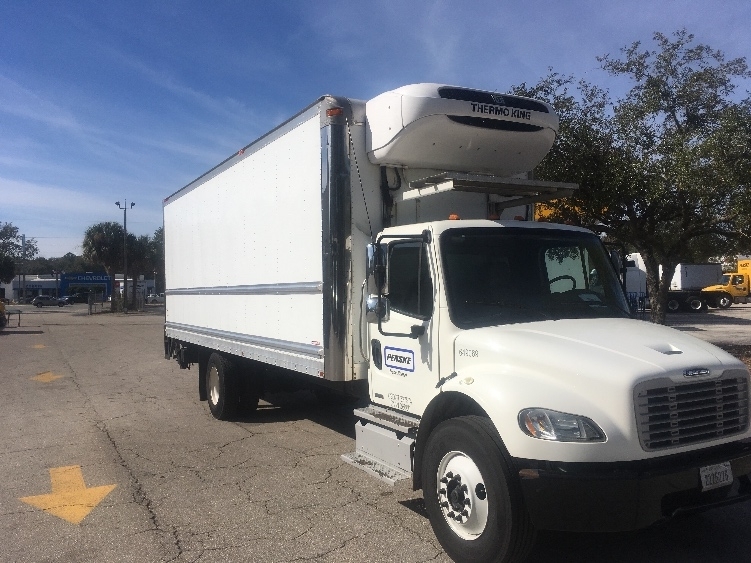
(57, 273)
(125, 249)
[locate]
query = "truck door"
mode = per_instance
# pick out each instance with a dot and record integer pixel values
(739, 285)
(403, 371)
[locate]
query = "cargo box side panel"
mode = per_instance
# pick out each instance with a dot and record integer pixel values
(243, 253)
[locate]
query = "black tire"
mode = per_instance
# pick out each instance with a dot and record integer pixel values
(494, 525)
(696, 304)
(673, 305)
(38, 305)
(221, 387)
(724, 301)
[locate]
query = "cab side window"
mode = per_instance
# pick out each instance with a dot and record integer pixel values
(410, 285)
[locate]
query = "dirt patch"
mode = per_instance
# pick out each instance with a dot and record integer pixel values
(740, 351)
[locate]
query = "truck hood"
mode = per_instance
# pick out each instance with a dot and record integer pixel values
(585, 367)
(622, 349)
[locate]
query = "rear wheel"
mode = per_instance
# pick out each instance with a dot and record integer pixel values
(221, 387)
(475, 506)
(696, 304)
(673, 305)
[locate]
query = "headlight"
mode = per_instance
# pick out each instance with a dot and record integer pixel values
(559, 426)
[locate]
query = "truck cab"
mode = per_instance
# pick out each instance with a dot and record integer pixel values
(447, 283)
(733, 288)
(506, 375)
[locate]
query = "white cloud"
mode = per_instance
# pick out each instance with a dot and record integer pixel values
(22, 102)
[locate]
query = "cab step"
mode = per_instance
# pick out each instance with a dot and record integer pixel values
(384, 443)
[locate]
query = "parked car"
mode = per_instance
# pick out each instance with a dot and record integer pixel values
(77, 298)
(42, 300)
(155, 298)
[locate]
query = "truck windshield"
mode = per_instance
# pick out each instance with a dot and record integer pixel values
(501, 276)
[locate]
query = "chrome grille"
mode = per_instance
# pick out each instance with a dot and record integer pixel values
(671, 415)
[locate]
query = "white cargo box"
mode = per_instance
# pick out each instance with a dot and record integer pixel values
(452, 128)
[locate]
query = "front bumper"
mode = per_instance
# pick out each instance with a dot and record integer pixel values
(624, 496)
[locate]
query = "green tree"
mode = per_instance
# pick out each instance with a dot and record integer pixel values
(156, 249)
(7, 269)
(13, 253)
(139, 259)
(103, 244)
(667, 169)
(64, 264)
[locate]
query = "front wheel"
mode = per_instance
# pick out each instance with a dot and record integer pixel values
(475, 506)
(724, 301)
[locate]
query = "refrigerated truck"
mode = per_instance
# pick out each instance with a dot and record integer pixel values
(374, 247)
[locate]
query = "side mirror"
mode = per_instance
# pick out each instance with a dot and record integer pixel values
(377, 267)
(373, 312)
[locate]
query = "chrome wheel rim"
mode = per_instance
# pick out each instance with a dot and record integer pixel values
(213, 385)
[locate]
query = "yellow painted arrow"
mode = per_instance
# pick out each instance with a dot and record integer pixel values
(46, 377)
(70, 499)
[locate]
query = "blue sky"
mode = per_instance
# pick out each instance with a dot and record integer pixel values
(105, 101)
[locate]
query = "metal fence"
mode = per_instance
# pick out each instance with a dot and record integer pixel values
(638, 302)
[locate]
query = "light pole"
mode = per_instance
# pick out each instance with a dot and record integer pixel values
(125, 250)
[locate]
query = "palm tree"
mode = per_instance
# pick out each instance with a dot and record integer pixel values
(103, 243)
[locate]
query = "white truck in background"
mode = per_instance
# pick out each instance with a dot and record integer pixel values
(686, 286)
(503, 373)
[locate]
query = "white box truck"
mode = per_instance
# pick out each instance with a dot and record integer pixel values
(371, 247)
(686, 286)
(695, 277)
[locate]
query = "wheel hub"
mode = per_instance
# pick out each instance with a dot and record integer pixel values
(461, 495)
(457, 495)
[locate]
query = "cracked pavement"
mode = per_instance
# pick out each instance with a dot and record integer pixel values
(268, 487)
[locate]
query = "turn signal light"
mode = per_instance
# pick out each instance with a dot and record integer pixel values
(453, 217)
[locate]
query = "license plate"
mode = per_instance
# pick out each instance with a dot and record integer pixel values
(714, 476)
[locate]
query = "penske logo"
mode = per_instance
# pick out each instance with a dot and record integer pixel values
(399, 358)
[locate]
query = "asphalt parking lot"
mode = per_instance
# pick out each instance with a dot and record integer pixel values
(108, 455)
(729, 329)
(730, 326)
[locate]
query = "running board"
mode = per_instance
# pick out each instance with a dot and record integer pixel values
(384, 443)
